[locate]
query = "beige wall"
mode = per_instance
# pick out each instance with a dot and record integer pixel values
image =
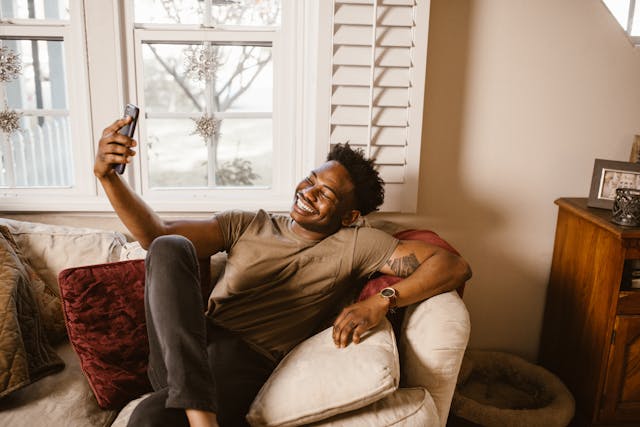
(521, 97)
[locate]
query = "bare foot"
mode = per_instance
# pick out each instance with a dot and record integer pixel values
(199, 418)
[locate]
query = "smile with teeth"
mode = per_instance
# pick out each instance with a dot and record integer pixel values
(302, 205)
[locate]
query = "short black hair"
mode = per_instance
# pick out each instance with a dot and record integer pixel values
(368, 186)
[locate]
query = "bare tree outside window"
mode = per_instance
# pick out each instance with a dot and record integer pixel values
(236, 78)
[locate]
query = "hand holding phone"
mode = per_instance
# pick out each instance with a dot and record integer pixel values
(128, 129)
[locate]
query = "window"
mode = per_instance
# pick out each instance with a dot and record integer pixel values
(239, 99)
(214, 83)
(36, 136)
(627, 13)
(207, 93)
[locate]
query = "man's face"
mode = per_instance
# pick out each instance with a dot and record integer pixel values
(324, 200)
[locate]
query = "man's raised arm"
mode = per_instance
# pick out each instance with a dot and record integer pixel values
(143, 223)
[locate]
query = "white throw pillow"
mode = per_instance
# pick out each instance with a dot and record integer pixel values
(316, 380)
(132, 250)
(52, 248)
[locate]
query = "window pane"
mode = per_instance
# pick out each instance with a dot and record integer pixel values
(241, 153)
(168, 12)
(249, 12)
(165, 86)
(245, 152)
(175, 78)
(223, 12)
(35, 9)
(619, 9)
(40, 153)
(41, 84)
(244, 81)
(177, 158)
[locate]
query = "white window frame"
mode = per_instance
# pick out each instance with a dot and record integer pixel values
(626, 21)
(103, 79)
(72, 34)
(283, 40)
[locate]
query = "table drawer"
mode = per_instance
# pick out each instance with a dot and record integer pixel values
(629, 302)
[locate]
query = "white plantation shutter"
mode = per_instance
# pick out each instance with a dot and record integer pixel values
(376, 90)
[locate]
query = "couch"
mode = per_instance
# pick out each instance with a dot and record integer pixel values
(409, 377)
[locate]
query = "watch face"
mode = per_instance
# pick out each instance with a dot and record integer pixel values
(388, 292)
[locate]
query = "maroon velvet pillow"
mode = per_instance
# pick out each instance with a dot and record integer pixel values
(103, 307)
(380, 282)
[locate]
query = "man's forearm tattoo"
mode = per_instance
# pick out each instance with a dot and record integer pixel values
(404, 266)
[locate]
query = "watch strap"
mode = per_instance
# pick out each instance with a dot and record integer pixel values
(391, 295)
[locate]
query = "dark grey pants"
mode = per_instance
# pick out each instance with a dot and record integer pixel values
(192, 363)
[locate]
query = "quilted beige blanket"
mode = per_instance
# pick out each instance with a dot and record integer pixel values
(25, 352)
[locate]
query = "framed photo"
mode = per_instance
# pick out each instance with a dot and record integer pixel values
(608, 175)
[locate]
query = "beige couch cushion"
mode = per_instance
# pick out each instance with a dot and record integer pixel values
(406, 407)
(435, 336)
(52, 248)
(316, 380)
(132, 250)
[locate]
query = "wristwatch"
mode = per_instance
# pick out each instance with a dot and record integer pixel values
(391, 295)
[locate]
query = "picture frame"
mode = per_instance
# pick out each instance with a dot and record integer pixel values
(608, 175)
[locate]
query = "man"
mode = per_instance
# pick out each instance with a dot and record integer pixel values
(284, 277)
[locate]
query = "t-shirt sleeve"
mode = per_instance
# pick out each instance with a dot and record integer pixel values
(232, 224)
(372, 249)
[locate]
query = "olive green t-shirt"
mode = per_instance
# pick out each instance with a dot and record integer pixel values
(277, 288)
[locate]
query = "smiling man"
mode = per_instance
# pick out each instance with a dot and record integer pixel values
(285, 277)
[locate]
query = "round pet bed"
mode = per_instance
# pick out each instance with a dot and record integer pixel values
(498, 390)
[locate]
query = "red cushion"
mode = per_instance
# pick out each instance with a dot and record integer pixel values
(427, 236)
(378, 283)
(104, 313)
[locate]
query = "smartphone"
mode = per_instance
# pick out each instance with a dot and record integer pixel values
(131, 111)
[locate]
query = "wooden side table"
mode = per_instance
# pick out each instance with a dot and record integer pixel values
(591, 329)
